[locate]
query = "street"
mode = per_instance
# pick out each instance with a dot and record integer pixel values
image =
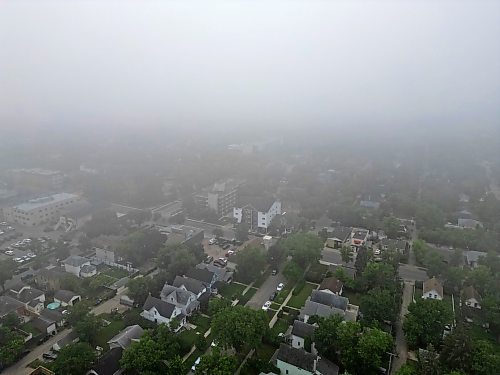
(262, 295)
(208, 228)
(412, 273)
(401, 347)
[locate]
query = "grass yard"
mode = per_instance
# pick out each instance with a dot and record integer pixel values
(280, 298)
(117, 273)
(201, 322)
(28, 327)
(299, 300)
(265, 352)
(275, 306)
(189, 337)
(230, 290)
(280, 326)
(107, 333)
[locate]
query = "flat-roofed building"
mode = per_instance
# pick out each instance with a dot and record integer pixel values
(220, 197)
(41, 210)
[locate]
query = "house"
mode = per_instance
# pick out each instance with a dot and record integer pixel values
(33, 299)
(158, 311)
(325, 304)
(469, 223)
(74, 263)
(200, 282)
(294, 361)
(55, 315)
(49, 279)
(108, 364)
(300, 333)
(359, 238)
(88, 270)
(333, 257)
(472, 257)
(40, 370)
(70, 338)
(331, 285)
(180, 297)
(338, 236)
(433, 289)
(10, 305)
(66, 297)
(257, 213)
(222, 274)
(471, 297)
(45, 325)
(369, 204)
(126, 337)
(400, 246)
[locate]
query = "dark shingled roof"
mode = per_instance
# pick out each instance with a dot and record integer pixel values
(64, 295)
(341, 233)
(332, 284)
(164, 308)
(201, 274)
(328, 299)
(109, 363)
(301, 329)
(469, 292)
(260, 204)
(191, 284)
(296, 357)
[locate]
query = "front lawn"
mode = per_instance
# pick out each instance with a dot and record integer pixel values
(202, 323)
(107, 333)
(265, 352)
(280, 326)
(280, 298)
(299, 300)
(117, 273)
(231, 290)
(189, 337)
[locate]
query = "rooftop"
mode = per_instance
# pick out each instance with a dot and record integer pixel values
(164, 308)
(39, 171)
(76, 261)
(8, 305)
(433, 284)
(332, 284)
(127, 336)
(64, 295)
(189, 283)
(470, 292)
(302, 329)
(258, 203)
(43, 201)
(297, 357)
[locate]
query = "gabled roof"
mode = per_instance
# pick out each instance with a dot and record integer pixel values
(64, 295)
(312, 308)
(181, 296)
(164, 308)
(328, 299)
(332, 284)
(398, 244)
(76, 261)
(109, 363)
(28, 295)
(469, 293)
(340, 233)
(221, 274)
(296, 357)
(54, 315)
(16, 288)
(42, 323)
(88, 268)
(8, 305)
(433, 284)
(260, 204)
(301, 329)
(190, 284)
(201, 274)
(125, 337)
(473, 256)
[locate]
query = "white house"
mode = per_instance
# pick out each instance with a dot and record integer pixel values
(66, 297)
(74, 263)
(257, 213)
(432, 289)
(300, 333)
(471, 297)
(158, 311)
(180, 297)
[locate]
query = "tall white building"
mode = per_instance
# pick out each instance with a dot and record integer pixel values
(41, 210)
(258, 213)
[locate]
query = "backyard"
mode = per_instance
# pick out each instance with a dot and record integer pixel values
(297, 301)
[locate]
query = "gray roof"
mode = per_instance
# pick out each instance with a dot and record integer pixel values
(88, 268)
(190, 284)
(370, 204)
(28, 295)
(182, 296)
(341, 233)
(302, 329)
(296, 357)
(54, 315)
(76, 261)
(324, 366)
(164, 308)
(42, 323)
(328, 299)
(473, 256)
(332, 284)
(221, 274)
(18, 286)
(260, 204)
(64, 295)
(8, 305)
(360, 234)
(331, 256)
(44, 201)
(109, 363)
(125, 337)
(314, 308)
(201, 274)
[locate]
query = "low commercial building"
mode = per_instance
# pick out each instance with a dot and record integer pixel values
(40, 211)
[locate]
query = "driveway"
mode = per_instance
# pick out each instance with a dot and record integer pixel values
(20, 366)
(262, 295)
(401, 347)
(412, 273)
(107, 306)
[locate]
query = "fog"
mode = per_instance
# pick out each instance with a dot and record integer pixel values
(227, 65)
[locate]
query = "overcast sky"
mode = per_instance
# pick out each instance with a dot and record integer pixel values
(379, 64)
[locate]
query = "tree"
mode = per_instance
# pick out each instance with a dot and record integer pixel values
(241, 232)
(323, 234)
(217, 364)
(348, 336)
(429, 216)
(88, 327)
(144, 356)
(77, 313)
(176, 366)
(326, 337)
(102, 222)
(425, 322)
(250, 263)
(11, 345)
(391, 226)
(176, 259)
(379, 305)
(379, 275)
(428, 362)
(454, 278)
(138, 289)
(74, 359)
(218, 233)
(275, 255)
(346, 253)
(217, 304)
(11, 320)
(361, 260)
(292, 271)
(238, 326)
(7, 268)
(372, 345)
(304, 248)
(61, 249)
(407, 369)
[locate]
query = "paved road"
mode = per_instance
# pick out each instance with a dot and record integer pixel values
(262, 295)
(401, 347)
(412, 273)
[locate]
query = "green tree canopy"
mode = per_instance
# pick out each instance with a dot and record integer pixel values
(138, 289)
(304, 248)
(74, 359)
(7, 268)
(216, 363)
(241, 232)
(250, 263)
(379, 305)
(176, 259)
(292, 271)
(11, 345)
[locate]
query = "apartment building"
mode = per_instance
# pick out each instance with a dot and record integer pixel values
(220, 197)
(257, 213)
(41, 210)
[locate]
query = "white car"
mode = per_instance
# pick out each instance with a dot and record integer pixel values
(266, 305)
(214, 344)
(9, 252)
(196, 363)
(376, 252)
(18, 260)
(280, 287)
(31, 255)
(211, 241)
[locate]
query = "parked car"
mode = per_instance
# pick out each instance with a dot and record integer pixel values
(275, 271)
(196, 363)
(212, 241)
(229, 253)
(226, 246)
(208, 259)
(280, 287)
(98, 302)
(9, 252)
(273, 296)
(49, 355)
(266, 305)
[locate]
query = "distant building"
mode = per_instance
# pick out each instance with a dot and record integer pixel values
(79, 266)
(183, 234)
(300, 333)
(432, 289)
(472, 257)
(257, 213)
(326, 304)
(158, 311)
(41, 210)
(471, 297)
(66, 297)
(36, 179)
(220, 197)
